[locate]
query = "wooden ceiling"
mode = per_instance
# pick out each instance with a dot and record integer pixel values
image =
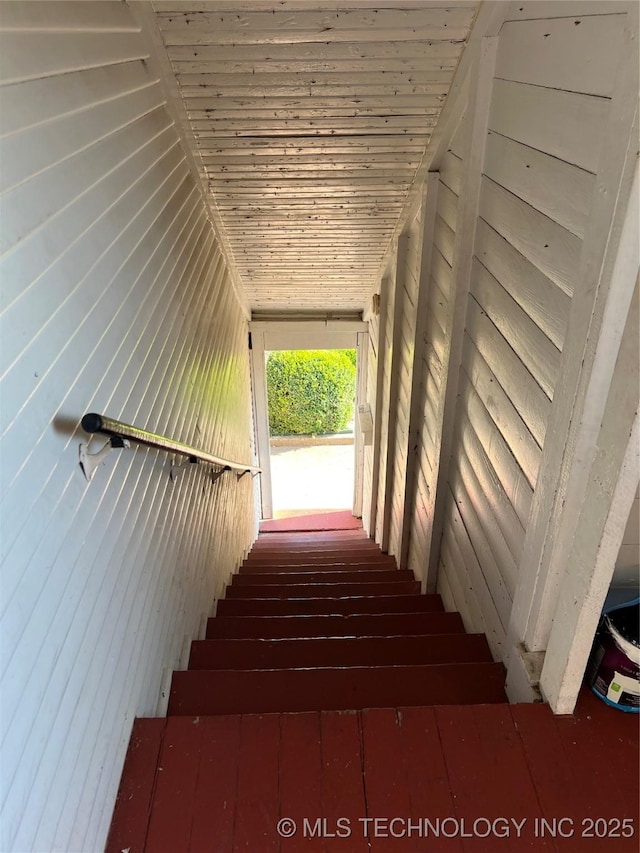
(310, 120)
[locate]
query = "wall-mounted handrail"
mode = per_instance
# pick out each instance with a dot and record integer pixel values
(94, 423)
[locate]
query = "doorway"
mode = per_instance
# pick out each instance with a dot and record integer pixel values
(311, 406)
(324, 473)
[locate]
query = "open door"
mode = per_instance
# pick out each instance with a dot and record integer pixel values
(266, 336)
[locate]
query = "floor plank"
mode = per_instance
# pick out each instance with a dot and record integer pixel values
(257, 808)
(131, 814)
(387, 791)
(426, 771)
(173, 804)
(343, 794)
(301, 781)
(596, 756)
(512, 795)
(489, 779)
(215, 796)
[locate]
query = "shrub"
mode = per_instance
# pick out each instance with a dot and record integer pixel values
(350, 354)
(310, 392)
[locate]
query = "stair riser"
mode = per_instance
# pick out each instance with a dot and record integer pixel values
(310, 568)
(313, 558)
(312, 541)
(318, 606)
(320, 590)
(274, 627)
(364, 545)
(361, 576)
(367, 651)
(231, 692)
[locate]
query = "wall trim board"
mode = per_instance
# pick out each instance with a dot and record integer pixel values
(385, 286)
(308, 334)
(478, 117)
(362, 348)
(261, 416)
(607, 272)
(429, 213)
(394, 381)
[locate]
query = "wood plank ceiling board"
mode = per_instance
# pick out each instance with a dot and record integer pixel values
(310, 121)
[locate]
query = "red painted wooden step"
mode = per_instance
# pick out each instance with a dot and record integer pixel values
(321, 590)
(310, 558)
(363, 546)
(308, 568)
(319, 606)
(339, 651)
(224, 776)
(313, 542)
(274, 627)
(360, 575)
(316, 539)
(334, 689)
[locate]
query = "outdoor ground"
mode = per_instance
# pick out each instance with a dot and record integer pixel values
(311, 478)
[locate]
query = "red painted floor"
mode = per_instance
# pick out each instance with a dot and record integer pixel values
(364, 728)
(515, 773)
(342, 520)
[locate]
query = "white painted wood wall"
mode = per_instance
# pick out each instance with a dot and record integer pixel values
(628, 560)
(534, 201)
(116, 299)
(532, 182)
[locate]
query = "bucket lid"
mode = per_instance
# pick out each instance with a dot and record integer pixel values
(625, 624)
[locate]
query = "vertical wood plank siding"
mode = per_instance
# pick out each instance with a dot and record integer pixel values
(386, 353)
(438, 329)
(546, 128)
(372, 369)
(115, 298)
(409, 280)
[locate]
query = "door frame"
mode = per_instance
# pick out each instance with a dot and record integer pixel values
(265, 336)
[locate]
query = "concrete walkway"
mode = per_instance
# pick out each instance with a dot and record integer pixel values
(307, 479)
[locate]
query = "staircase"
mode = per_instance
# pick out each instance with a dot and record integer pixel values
(325, 622)
(328, 687)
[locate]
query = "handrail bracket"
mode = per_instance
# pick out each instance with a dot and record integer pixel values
(90, 461)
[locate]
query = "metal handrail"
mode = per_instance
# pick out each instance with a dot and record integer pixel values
(93, 423)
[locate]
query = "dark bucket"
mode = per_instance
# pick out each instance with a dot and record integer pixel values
(614, 666)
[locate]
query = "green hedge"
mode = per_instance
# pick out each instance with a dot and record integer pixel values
(310, 392)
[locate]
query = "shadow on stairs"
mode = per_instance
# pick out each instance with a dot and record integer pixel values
(330, 693)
